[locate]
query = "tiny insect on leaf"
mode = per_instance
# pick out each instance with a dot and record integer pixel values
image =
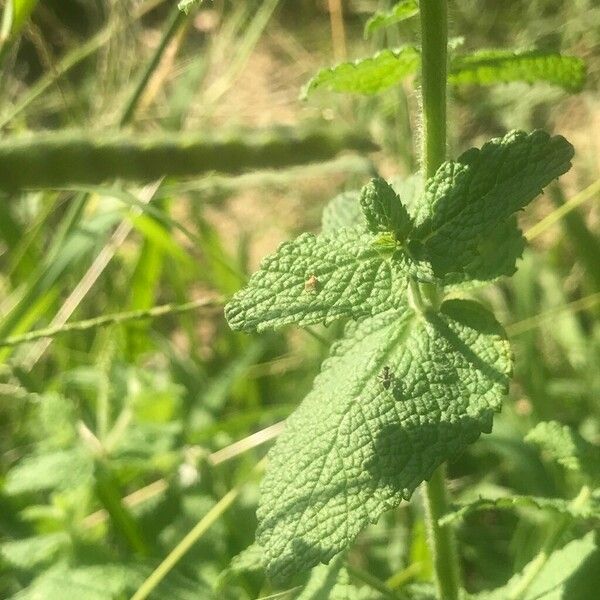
(311, 284)
(386, 377)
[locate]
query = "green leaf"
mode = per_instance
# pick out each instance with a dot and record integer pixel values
(498, 252)
(97, 582)
(61, 470)
(248, 560)
(399, 12)
(565, 446)
(590, 510)
(317, 279)
(488, 67)
(329, 582)
(553, 582)
(29, 552)
(368, 75)
(109, 581)
(384, 210)
(467, 199)
(497, 256)
(343, 211)
(367, 435)
(410, 189)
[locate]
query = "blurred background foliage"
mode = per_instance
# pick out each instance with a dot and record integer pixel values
(127, 425)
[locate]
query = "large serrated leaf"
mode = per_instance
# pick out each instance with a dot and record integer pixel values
(467, 199)
(487, 67)
(405, 9)
(317, 279)
(400, 394)
(368, 75)
(590, 510)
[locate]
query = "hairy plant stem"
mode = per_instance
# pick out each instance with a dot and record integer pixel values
(441, 539)
(434, 42)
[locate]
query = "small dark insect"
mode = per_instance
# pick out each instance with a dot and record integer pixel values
(386, 377)
(310, 285)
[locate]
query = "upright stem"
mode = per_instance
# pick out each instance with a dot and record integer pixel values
(441, 539)
(434, 42)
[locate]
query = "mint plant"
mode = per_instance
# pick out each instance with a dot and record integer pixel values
(418, 372)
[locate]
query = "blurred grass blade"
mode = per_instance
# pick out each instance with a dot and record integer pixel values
(177, 19)
(22, 9)
(243, 47)
(533, 322)
(160, 486)
(159, 235)
(168, 222)
(88, 280)
(372, 582)
(487, 67)
(556, 215)
(16, 13)
(67, 248)
(25, 255)
(581, 237)
(157, 247)
(107, 490)
(252, 441)
(72, 59)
